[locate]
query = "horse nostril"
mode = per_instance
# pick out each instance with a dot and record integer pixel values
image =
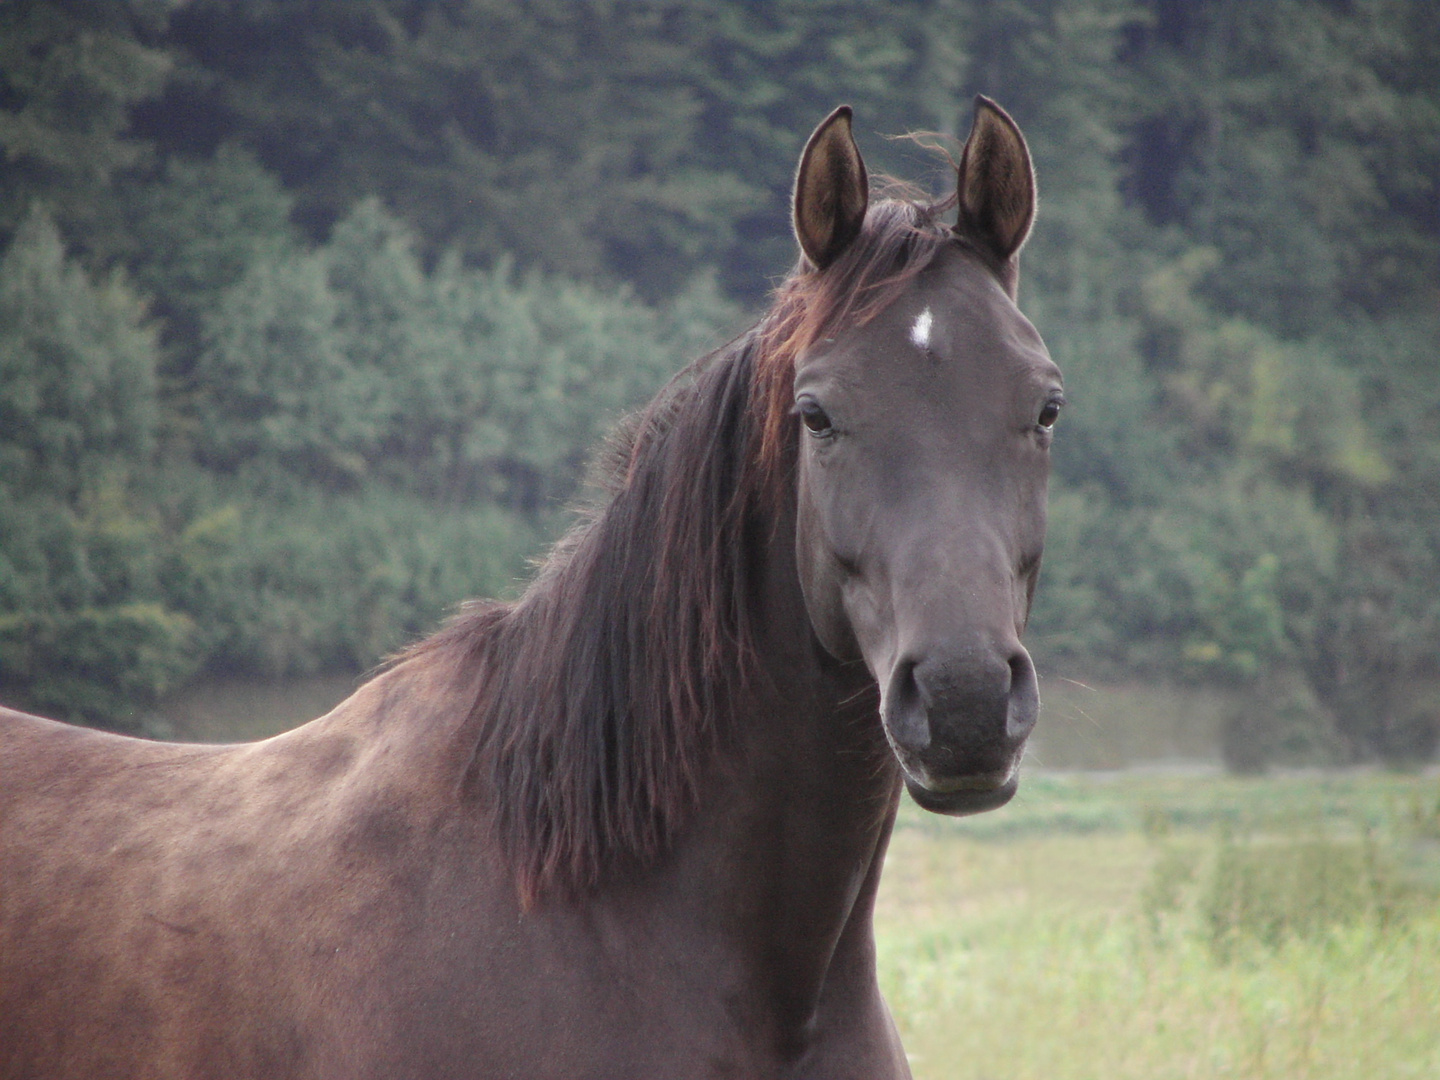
(1023, 707)
(905, 713)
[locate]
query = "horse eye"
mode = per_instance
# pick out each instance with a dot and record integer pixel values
(1049, 414)
(813, 416)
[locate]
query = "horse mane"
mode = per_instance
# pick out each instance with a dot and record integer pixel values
(605, 691)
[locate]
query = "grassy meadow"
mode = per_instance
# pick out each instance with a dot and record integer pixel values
(1155, 926)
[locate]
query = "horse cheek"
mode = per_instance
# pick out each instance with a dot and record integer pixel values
(822, 579)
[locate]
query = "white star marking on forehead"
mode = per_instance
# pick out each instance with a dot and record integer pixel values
(920, 332)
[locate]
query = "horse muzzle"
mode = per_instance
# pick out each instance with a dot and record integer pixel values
(958, 723)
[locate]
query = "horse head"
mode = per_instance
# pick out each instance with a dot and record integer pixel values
(923, 463)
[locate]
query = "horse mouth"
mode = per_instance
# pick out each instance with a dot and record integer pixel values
(964, 795)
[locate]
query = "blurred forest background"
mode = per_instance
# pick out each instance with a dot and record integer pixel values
(311, 311)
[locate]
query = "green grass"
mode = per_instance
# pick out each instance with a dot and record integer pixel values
(1157, 926)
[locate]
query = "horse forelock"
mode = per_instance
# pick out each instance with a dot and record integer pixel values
(606, 690)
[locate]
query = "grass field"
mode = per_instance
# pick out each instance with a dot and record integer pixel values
(1158, 926)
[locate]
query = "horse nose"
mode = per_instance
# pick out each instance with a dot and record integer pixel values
(962, 710)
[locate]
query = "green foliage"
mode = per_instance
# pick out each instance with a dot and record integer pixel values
(351, 362)
(1280, 722)
(1268, 891)
(196, 229)
(397, 253)
(261, 515)
(555, 130)
(84, 627)
(77, 368)
(1300, 139)
(69, 76)
(300, 580)
(1164, 893)
(95, 664)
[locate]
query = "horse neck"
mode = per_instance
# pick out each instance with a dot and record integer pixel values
(789, 842)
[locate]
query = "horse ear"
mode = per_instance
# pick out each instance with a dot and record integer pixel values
(997, 183)
(831, 191)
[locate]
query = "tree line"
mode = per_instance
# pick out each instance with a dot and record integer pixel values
(311, 311)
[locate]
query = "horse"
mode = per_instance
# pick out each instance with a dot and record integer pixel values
(631, 824)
